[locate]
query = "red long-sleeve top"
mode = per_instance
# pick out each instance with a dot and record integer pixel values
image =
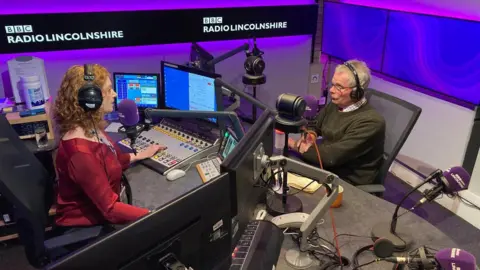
(89, 184)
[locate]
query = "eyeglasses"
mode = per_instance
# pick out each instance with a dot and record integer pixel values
(338, 86)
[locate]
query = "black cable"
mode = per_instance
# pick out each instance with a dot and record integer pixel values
(467, 202)
(368, 263)
(333, 259)
(101, 149)
(298, 191)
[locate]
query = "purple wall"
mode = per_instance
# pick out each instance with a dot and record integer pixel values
(287, 63)
(462, 9)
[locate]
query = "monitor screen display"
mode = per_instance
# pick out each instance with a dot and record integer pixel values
(188, 89)
(437, 53)
(354, 32)
(141, 88)
(228, 144)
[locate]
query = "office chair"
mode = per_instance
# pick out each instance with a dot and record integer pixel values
(26, 184)
(400, 117)
(124, 184)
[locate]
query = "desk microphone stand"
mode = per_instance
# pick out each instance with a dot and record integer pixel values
(284, 204)
(389, 230)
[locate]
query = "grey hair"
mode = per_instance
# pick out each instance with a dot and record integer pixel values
(364, 74)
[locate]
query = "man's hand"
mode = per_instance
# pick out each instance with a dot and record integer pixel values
(292, 144)
(301, 146)
(304, 146)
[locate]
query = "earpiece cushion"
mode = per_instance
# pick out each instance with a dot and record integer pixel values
(90, 97)
(383, 248)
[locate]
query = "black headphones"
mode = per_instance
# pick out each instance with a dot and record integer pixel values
(357, 92)
(382, 248)
(89, 95)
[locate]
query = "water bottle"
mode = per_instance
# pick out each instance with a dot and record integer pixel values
(32, 92)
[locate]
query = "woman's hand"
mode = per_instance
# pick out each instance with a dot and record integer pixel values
(151, 150)
(147, 153)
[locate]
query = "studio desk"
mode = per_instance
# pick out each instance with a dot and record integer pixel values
(359, 212)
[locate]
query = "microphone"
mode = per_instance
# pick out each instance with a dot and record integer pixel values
(404, 260)
(128, 116)
(450, 182)
(455, 259)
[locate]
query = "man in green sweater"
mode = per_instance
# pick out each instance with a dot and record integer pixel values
(353, 133)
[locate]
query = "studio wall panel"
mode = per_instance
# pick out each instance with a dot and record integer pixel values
(438, 53)
(351, 31)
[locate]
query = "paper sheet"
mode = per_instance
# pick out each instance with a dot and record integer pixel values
(113, 127)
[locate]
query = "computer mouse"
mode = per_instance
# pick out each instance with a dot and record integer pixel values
(175, 174)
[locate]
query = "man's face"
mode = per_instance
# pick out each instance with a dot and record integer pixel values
(340, 90)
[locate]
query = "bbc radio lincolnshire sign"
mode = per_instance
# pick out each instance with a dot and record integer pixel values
(51, 32)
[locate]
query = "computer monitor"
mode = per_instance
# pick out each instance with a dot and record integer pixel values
(142, 88)
(229, 141)
(194, 228)
(190, 89)
(245, 181)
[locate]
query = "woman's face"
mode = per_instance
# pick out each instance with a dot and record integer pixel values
(108, 96)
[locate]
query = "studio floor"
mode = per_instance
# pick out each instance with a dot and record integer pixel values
(461, 232)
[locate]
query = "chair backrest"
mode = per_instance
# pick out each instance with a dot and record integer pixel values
(26, 184)
(400, 118)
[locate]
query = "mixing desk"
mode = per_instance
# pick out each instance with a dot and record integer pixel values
(184, 145)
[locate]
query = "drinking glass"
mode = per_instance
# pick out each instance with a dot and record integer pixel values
(41, 137)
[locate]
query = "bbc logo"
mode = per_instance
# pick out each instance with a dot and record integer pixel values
(18, 29)
(212, 20)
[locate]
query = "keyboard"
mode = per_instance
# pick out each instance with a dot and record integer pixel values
(258, 247)
(209, 169)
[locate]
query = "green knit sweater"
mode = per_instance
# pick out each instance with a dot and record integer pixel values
(352, 145)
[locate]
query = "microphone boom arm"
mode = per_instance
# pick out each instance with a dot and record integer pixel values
(227, 55)
(429, 179)
(237, 127)
(320, 176)
(219, 83)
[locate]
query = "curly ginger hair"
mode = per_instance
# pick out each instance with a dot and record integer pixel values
(67, 112)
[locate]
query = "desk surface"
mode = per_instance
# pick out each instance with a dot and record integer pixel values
(359, 213)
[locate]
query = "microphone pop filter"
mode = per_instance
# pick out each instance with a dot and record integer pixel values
(457, 179)
(455, 258)
(128, 112)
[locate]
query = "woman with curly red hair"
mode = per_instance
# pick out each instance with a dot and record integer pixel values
(89, 164)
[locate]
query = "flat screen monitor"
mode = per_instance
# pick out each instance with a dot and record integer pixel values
(354, 32)
(436, 53)
(229, 141)
(246, 187)
(189, 89)
(194, 229)
(142, 88)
